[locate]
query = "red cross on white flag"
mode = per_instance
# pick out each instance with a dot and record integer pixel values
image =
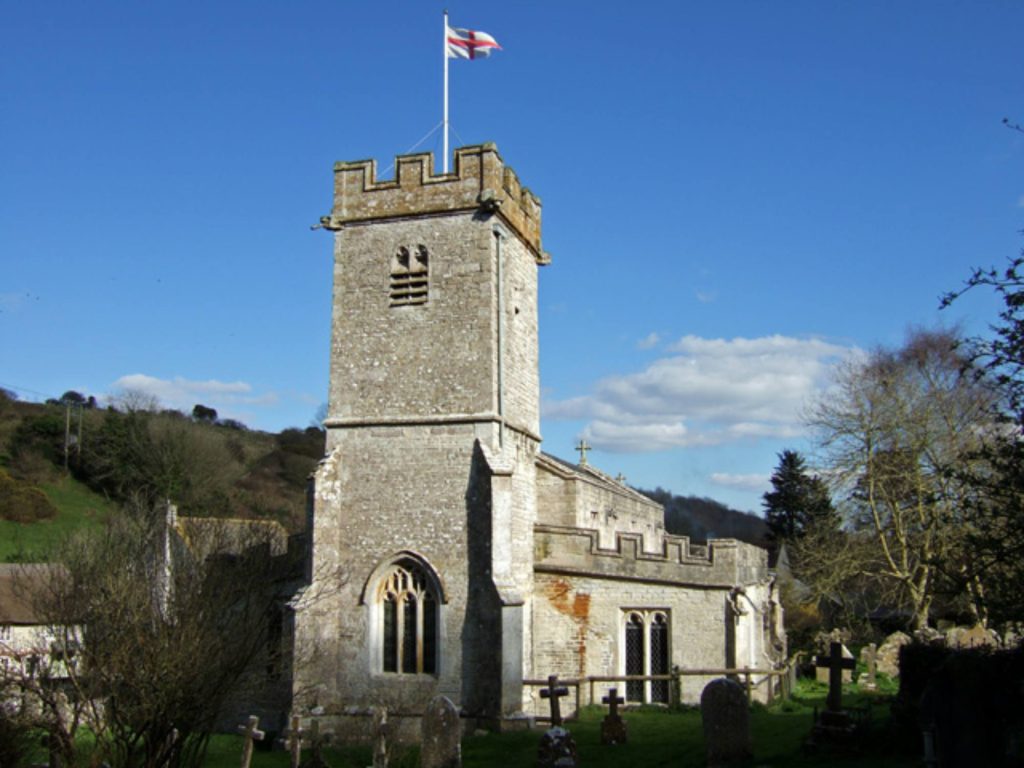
(470, 44)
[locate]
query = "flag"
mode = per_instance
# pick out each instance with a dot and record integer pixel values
(470, 44)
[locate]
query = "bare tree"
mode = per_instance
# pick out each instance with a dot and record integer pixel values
(152, 628)
(891, 430)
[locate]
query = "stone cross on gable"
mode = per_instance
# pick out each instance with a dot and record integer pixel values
(582, 446)
(252, 733)
(835, 664)
(554, 692)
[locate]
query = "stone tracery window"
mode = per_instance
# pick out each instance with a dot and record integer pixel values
(645, 651)
(409, 620)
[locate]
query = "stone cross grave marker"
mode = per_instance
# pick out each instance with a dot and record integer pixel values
(294, 740)
(442, 735)
(251, 731)
(835, 662)
(725, 719)
(380, 737)
(554, 692)
(613, 727)
(316, 744)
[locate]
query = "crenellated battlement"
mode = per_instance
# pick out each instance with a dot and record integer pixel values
(722, 563)
(480, 181)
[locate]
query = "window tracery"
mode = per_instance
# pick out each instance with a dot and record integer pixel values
(408, 617)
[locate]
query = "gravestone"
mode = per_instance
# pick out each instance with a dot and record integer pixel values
(889, 654)
(554, 692)
(869, 656)
(557, 748)
(442, 735)
(294, 741)
(380, 737)
(838, 664)
(821, 674)
(725, 718)
(972, 637)
(613, 727)
(316, 744)
(252, 733)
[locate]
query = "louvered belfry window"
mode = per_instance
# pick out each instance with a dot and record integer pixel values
(410, 273)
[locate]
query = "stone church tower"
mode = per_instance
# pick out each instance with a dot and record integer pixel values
(423, 510)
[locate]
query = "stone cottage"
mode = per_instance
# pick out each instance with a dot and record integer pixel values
(449, 554)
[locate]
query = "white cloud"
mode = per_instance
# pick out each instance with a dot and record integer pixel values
(756, 483)
(229, 398)
(711, 391)
(706, 297)
(649, 341)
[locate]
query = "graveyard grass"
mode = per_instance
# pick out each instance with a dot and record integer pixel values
(657, 737)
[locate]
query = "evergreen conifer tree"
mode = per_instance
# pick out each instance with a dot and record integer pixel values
(798, 502)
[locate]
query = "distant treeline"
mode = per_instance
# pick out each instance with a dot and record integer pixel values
(702, 519)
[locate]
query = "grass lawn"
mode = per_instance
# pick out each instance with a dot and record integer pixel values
(656, 738)
(78, 508)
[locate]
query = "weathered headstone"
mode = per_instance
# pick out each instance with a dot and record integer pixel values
(821, 674)
(442, 735)
(889, 654)
(838, 662)
(613, 727)
(869, 655)
(380, 737)
(557, 748)
(972, 637)
(252, 733)
(725, 718)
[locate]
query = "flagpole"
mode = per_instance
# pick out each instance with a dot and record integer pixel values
(444, 50)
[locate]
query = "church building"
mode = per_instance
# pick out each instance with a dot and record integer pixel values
(449, 554)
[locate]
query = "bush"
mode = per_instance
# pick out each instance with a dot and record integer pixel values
(17, 739)
(21, 502)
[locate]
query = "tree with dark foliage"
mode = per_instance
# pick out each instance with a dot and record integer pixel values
(997, 541)
(798, 500)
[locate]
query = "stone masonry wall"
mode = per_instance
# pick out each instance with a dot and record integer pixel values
(579, 628)
(583, 497)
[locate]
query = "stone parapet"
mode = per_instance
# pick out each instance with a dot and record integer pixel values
(481, 180)
(723, 563)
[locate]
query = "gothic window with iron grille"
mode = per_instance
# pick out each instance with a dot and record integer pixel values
(410, 272)
(409, 620)
(645, 646)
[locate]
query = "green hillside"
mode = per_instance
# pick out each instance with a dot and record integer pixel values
(69, 463)
(76, 507)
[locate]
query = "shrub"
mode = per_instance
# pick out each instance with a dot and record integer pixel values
(21, 502)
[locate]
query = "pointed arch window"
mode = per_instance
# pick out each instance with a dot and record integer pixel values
(645, 652)
(408, 618)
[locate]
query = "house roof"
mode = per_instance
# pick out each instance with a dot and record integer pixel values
(20, 583)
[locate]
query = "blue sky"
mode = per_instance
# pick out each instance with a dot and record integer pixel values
(736, 194)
